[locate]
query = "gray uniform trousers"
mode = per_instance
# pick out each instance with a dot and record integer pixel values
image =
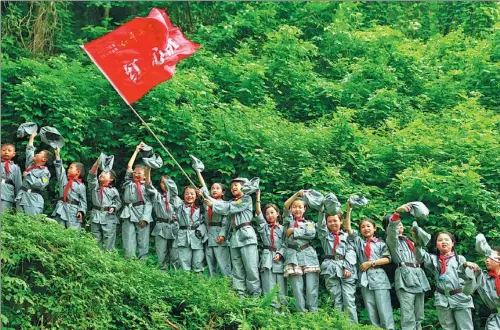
(219, 255)
(190, 259)
(455, 318)
(342, 291)
(105, 233)
(379, 311)
(69, 225)
(167, 255)
(270, 280)
(245, 271)
(6, 205)
(135, 236)
(412, 309)
(310, 303)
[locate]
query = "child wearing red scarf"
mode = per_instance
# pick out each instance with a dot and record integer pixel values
(11, 176)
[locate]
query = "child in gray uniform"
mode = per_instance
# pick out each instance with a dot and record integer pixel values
(36, 179)
(301, 261)
(244, 254)
(487, 283)
(105, 203)
(137, 208)
(72, 203)
(339, 265)
(164, 216)
(11, 177)
(272, 236)
(410, 280)
(452, 305)
(375, 286)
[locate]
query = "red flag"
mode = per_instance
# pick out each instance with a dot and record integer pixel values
(140, 54)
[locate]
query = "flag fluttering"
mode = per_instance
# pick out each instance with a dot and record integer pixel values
(140, 54)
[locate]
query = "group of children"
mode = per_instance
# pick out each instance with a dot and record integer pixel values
(199, 228)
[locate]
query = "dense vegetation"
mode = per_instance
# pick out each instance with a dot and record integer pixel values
(397, 101)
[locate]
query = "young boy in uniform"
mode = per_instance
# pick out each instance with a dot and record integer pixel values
(11, 176)
(244, 255)
(105, 203)
(137, 210)
(72, 205)
(36, 179)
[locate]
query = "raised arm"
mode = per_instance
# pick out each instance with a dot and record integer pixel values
(200, 178)
(134, 156)
(289, 201)
(258, 210)
(148, 175)
(347, 222)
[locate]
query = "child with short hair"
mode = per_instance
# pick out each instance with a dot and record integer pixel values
(137, 208)
(452, 305)
(339, 264)
(36, 179)
(301, 261)
(410, 280)
(244, 254)
(192, 232)
(486, 282)
(106, 202)
(11, 177)
(165, 219)
(72, 203)
(375, 286)
(272, 257)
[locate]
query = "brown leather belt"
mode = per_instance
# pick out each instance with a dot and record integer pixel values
(335, 257)
(162, 220)
(296, 247)
(409, 264)
(188, 227)
(138, 203)
(70, 202)
(449, 292)
(32, 190)
(244, 224)
(215, 224)
(270, 248)
(101, 208)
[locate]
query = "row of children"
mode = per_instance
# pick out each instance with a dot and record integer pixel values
(222, 232)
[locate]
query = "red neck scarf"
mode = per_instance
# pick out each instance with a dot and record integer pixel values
(443, 260)
(409, 242)
(7, 166)
(139, 191)
(497, 281)
(68, 187)
(368, 249)
(233, 217)
(32, 167)
(296, 224)
(336, 241)
(191, 212)
(101, 191)
(272, 234)
(167, 205)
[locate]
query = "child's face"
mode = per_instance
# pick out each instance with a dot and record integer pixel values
(73, 171)
(333, 223)
(493, 262)
(298, 209)
(105, 178)
(40, 158)
(367, 229)
(401, 229)
(236, 189)
(271, 215)
(138, 174)
(8, 152)
(162, 185)
(444, 243)
(216, 191)
(189, 195)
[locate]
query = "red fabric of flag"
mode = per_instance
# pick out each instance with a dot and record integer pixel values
(140, 54)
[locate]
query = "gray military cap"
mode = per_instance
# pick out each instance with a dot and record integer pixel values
(106, 162)
(154, 161)
(482, 246)
(197, 164)
(314, 199)
(332, 204)
(251, 186)
(418, 209)
(51, 136)
(26, 129)
(171, 187)
(357, 201)
(146, 151)
(422, 237)
(239, 179)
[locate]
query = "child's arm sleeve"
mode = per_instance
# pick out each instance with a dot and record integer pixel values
(92, 181)
(322, 229)
(17, 180)
(30, 152)
(117, 202)
(62, 180)
(261, 223)
(305, 231)
(83, 199)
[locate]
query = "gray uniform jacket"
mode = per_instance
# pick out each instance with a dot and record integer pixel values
(269, 252)
(37, 179)
(239, 212)
(373, 278)
(186, 237)
(11, 183)
(217, 226)
(110, 199)
(160, 202)
(130, 197)
(296, 251)
(344, 257)
(76, 198)
(410, 279)
(452, 279)
(485, 286)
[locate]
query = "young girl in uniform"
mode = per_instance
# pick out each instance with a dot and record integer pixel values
(339, 266)
(272, 237)
(375, 286)
(452, 305)
(301, 260)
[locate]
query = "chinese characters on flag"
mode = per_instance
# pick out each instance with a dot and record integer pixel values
(140, 54)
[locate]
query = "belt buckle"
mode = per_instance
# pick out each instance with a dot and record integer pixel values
(29, 190)
(403, 264)
(447, 293)
(3, 180)
(102, 208)
(336, 257)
